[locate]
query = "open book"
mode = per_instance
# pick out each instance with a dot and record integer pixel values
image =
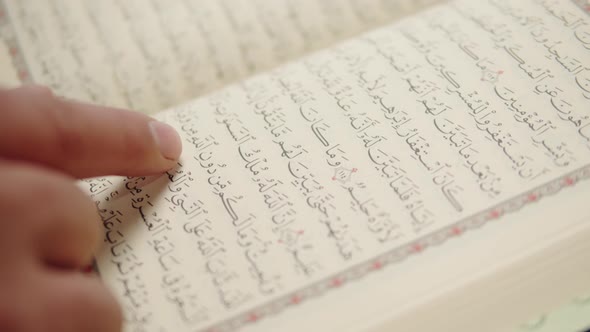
(424, 175)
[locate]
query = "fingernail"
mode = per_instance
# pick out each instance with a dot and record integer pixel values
(167, 139)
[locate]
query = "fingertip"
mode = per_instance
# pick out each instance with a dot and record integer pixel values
(81, 139)
(167, 140)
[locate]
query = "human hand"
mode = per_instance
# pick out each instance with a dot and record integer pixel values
(49, 227)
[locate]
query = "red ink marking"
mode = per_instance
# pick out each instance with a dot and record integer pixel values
(532, 198)
(296, 299)
(280, 241)
(333, 178)
(569, 181)
(336, 282)
(13, 51)
(354, 170)
(253, 317)
(417, 248)
(377, 265)
(500, 72)
(457, 231)
(300, 232)
(494, 214)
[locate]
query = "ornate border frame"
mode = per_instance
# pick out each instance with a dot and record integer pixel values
(399, 254)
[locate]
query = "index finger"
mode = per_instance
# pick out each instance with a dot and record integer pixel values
(80, 139)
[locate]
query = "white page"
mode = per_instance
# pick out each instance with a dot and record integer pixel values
(149, 55)
(300, 181)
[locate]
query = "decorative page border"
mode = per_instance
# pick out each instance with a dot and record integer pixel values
(401, 253)
(9, 37)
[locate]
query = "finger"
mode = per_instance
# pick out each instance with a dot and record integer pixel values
(72, 302)
(80, 139)
(49, 213)
(17, 279)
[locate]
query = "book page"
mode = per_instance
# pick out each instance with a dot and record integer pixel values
(150, 55)
(295, 183)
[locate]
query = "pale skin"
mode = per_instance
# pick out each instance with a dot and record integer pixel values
(49, 229)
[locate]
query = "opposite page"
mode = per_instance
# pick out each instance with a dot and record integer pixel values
(150, 55)
(299, 181)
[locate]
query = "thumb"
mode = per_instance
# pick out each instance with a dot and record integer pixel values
(80, 139)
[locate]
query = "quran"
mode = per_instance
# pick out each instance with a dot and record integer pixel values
(380, 165)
